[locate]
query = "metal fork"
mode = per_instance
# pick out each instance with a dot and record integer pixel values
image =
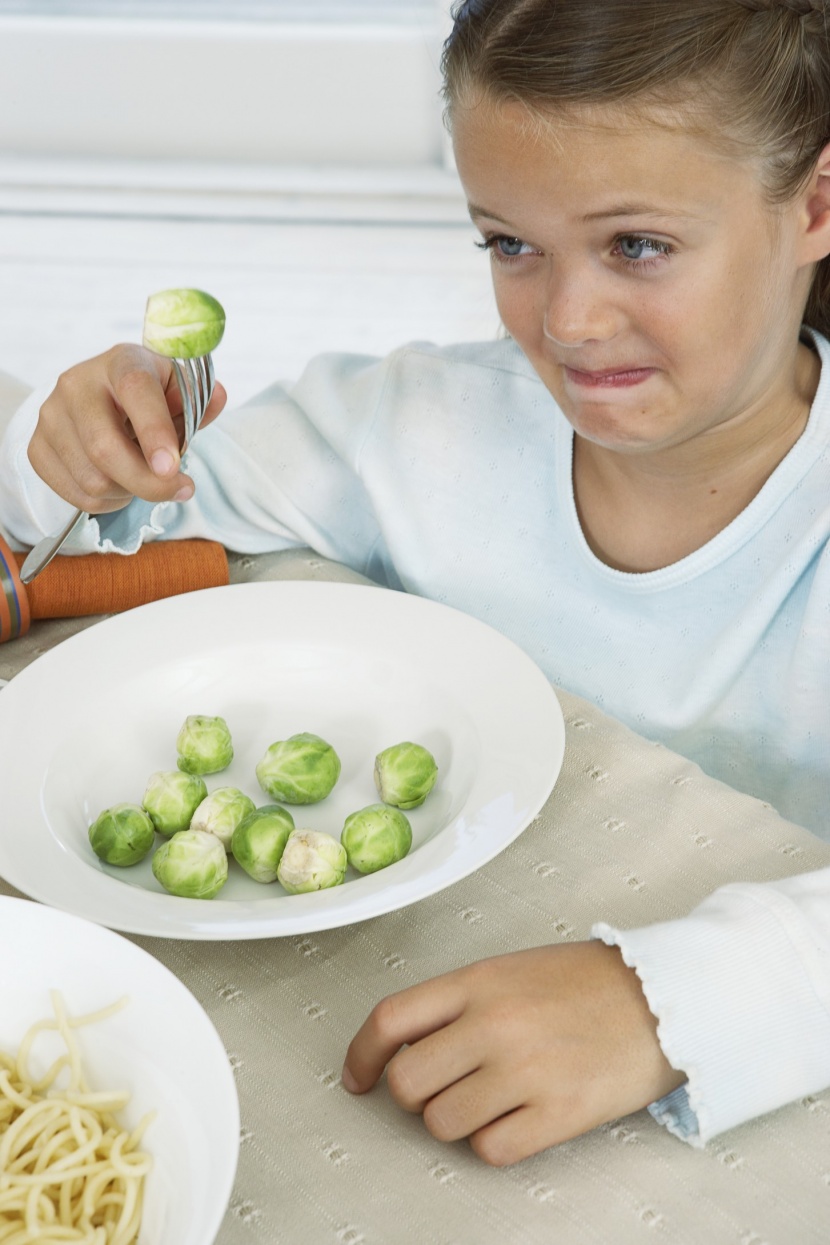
(196, 379)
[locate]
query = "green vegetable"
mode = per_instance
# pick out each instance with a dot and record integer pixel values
(193, 864)
(183, 324)
(299, 770)
(375, 837)
(172, 798)
(204, 745)
(312, 861)
(259, 841)
(122, 835)
(405, 774)
(222, 812)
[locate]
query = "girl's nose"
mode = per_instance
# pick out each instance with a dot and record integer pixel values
(577, 312)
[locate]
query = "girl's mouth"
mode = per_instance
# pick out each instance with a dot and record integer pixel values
(621, 379)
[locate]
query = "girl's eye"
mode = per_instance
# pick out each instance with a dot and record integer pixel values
(509, 247)
(640, 250)
(637, 252)
(504, 248)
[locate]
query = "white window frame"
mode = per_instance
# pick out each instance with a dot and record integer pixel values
(272, 118)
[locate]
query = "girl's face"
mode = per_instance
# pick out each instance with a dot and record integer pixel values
(642, 272)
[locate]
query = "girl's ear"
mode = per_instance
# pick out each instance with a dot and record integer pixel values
(815, 215)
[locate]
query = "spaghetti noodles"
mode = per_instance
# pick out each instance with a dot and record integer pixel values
(68, 1171)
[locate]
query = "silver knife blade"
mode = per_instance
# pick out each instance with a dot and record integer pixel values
(44, 551)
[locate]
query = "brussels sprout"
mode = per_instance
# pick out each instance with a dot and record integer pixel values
(122, 835)
(172, 798)
(204, 745)
(183, 324)
(192, 864)
(405, 774)
(222, 812)
(375, 837)
(259, 841)
(312, 861)
(299, 770)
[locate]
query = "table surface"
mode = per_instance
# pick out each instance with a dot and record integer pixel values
(631, 834)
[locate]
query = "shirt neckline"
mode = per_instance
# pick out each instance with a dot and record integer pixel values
(792, 468)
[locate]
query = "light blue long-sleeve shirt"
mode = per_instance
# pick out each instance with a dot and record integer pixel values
(447, 472)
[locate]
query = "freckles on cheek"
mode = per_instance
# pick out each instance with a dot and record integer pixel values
(505, 303)
(519, 314)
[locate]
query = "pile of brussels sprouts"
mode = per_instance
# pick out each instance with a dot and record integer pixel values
(202, 829)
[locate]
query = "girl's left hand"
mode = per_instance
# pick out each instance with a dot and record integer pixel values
(519, 1052)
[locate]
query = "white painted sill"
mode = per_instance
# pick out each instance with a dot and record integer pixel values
(228, 191)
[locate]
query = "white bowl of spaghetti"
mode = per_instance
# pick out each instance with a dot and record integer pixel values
(119, 1118)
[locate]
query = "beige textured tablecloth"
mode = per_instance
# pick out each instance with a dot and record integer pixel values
(631, 834)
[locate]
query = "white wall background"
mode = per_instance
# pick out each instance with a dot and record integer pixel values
(296, 169)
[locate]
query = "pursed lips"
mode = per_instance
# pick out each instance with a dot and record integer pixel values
(625, 374)
(606, 371)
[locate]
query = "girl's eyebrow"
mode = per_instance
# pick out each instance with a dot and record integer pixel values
(475, 211)
(622, 209)
(642, 209)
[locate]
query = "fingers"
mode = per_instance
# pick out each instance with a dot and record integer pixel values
(79, 481)
(515, 1136)
(398, 1020)
(98, 500)
(538, 1119)
(108, 432)
(507, 1113)
(139, 386)
(446, 1076)
(416, 1074)
(217, 404)
(97, 468)
(470, 1104)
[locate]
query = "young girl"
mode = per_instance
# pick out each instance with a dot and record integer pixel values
(635, 486)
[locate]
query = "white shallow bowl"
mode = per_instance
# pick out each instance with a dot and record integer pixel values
(161, 1047)
(84, 726)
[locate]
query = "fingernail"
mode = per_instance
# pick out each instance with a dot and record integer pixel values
(184, 494)
(348, 1081)
(162, 462)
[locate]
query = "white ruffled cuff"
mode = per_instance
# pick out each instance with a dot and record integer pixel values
(737, 989)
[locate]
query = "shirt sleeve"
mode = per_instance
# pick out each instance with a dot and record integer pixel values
(28, 509)
(741, 991)
(283, 470)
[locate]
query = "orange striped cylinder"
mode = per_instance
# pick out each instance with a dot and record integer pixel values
(105, 583)
(15, 615)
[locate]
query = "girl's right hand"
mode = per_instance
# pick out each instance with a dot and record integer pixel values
(111, 430)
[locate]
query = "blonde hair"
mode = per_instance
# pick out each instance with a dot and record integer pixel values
(764, 65)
